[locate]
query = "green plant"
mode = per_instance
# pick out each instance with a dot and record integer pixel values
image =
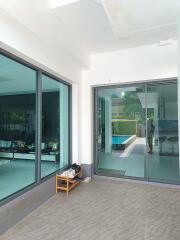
(17, 117)
(132, 108)
(124, 127)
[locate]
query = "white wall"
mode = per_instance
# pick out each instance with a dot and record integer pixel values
(130, 65)
(17, 39)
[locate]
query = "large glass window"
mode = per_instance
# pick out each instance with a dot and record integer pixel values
(55, 126)
(21, 121)
(17, 126)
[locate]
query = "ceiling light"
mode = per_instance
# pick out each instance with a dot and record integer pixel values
(61, 3)
(166, 42)
(122, 94)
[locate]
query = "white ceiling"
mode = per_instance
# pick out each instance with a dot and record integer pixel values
(93, 26)
(117, 24)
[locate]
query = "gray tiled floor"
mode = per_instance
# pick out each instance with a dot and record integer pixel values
(105, 209)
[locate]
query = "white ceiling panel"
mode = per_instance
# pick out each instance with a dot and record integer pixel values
(93, 26)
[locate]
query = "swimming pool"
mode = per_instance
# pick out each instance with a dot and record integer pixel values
(119, 139)
(121, 142)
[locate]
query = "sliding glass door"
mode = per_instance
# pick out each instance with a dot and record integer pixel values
(137, 131)
(120, 135)
(162, 132)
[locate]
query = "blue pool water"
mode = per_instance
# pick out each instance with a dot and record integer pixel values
(119, 139)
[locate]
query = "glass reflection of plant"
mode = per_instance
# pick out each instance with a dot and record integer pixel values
(132, 108)
(17, 117)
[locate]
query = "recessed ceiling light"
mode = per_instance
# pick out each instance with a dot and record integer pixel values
(61, 3)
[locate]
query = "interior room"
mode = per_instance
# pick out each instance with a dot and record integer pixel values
(89, 120)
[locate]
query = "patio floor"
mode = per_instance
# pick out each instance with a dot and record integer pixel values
(105, 209)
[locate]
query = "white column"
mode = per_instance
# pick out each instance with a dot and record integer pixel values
(108, 125)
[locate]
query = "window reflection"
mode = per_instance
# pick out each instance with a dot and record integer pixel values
(17, 126)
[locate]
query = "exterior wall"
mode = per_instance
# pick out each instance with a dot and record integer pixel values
(124, 66)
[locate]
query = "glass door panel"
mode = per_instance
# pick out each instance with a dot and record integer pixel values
(162, 132)
(120, 131)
